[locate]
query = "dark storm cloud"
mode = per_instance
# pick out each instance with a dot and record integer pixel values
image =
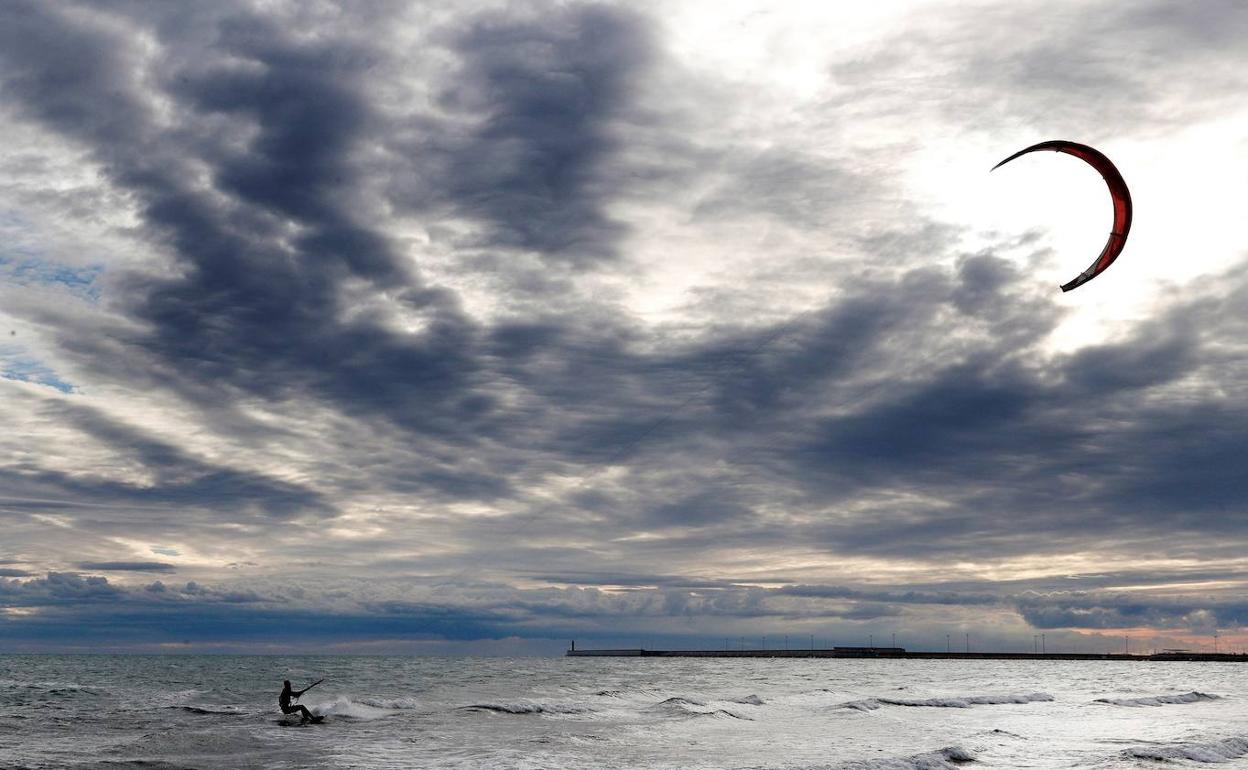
(263, 252)
(1086, 610)
(126, 566)
(240, 494)
(547, 98)
(894, 597)
(255, 190)
(914, 413)
(604, 578)
(179, 479)
(1048, 438)
(728, 387)
(68, 589)
(505, 604)
(58, 588)
(981, 421)
(75, 609)
(466, 611)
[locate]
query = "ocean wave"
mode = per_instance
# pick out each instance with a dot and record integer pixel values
(219, 711)
(638, 692)
(350, 709)
(1160, 700)
(396, 704)
(44, 694)
(1205, 753)
(47, 686)
(959, 702)
(998, 732)
(687, 707)
(715, 714)
(750, 700)
(678, 701)
(948, 758)
(51, 690)
(527, 708)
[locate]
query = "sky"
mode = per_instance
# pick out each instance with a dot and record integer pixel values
(478, 327)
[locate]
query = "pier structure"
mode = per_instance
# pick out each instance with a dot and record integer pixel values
(900, 653)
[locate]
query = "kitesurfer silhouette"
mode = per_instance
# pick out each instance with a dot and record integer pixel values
(283, 700)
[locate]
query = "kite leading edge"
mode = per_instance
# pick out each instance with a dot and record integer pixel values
(1117, 189)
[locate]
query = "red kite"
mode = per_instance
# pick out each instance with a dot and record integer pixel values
(1117, 189)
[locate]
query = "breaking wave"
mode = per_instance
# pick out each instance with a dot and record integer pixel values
(220, 711)
(681, 702)
(1206, 753)
(687, 707)
(1160, 700)
(638, 692)
(962, 702)
(948, 758)
(398, 704)
(351, 709)
(527, 708)
(996, 731)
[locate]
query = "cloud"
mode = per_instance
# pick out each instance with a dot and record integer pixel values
(546, 100)
(250, 309)
(1109, 611)
(1061, 69)
(126, 566)
(174, 478)
(57, 588)
(522, 321)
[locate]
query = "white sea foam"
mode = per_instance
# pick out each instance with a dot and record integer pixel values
(687, 707)
(1160, 700)
(678, 701)
(343, 706)
(397, 712)
(948, 758)
(997, 732)
(1214, 752)
(627, 693)
(390, 703)
(529, 708)
(958, 702)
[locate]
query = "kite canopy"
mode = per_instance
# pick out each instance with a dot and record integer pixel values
(1117, 189)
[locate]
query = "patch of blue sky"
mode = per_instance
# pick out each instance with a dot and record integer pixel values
(16, 364)
(30, 271)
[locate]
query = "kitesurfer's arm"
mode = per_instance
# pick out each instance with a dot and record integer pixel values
(309, 687)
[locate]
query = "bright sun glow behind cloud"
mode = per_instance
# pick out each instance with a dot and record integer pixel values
(1186, 224)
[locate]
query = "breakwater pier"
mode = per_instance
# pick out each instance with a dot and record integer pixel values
(900, 653)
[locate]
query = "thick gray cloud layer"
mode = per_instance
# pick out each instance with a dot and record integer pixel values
(360, 337)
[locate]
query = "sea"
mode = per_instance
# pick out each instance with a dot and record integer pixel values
(183, 711)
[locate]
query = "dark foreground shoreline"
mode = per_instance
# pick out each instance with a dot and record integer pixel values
(902, 654)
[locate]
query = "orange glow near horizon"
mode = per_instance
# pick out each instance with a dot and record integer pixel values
(1143, 640)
